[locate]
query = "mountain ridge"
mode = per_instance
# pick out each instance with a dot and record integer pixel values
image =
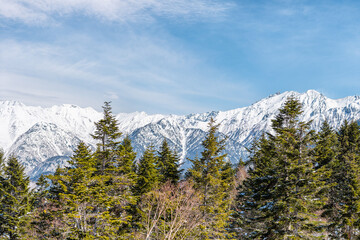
(71, 124)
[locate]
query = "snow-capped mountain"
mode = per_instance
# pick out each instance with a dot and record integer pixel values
(42, 138)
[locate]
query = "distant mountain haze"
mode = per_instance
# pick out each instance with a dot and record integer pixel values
(43, 138)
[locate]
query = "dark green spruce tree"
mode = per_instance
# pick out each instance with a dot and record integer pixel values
(253, 203)
(127, 158)
(2, 182)
(288, 191)
(210, 177)
(15, 200)
(147, 179)
(168, 164)
(325, 157)
(147, 174)
(2, 163)
(80, 195)
(108, 134)
(112, 177)
(326, 146)
(343, 208)
(298, 193)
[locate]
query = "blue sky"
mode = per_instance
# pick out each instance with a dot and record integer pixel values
(176, 56)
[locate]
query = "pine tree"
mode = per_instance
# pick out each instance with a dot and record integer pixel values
(147, 174)
(56, 187)
(343, 208)
(94, 206)
(212, 183)
(283, 193)
(325, 154)
(147, 179)
(2, 188)
(15, 200)
(298, 191)
(79, 193)
(168, 164)
(107, 132)
(113, 179)
(42, 188)
(2, 163)
(326, 146)
(127, 158)
(252, 208)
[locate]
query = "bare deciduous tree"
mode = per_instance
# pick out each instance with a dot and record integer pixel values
(171, 212)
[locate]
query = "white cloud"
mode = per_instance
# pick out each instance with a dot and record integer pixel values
(140, 73)
(111, 95)
(44, 74)
(18, 11)
(45, 11)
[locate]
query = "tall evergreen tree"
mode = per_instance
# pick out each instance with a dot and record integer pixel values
(289, 193)
(343, 208)
(147, 179)
(212, 182)
(147, 174)
(326, 146)
(56, 187)
(108, 134)
(325, 154)
(2, 163)
(127, 158)
(15, 200)
(298, 189)
(2, 182)
(252, 208)
(94, 205)
(113, 178)
(168, 164)
(80, 194)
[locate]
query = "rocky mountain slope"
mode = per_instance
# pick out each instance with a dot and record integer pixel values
(43, 138)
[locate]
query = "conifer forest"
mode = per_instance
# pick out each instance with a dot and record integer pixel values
(296, 184)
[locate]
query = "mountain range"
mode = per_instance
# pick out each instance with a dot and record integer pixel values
(43, 138)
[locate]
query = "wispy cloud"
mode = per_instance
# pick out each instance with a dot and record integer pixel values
(45, 11)
(141, 73)
(174, 56)
(111, 96)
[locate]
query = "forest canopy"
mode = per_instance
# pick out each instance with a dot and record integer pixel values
(296, 184)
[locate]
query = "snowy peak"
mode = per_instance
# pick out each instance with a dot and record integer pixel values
(128, 122)
(11, 103)
(43, 141)
(43, 138)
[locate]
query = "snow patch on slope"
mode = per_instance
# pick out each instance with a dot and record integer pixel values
(38, 134)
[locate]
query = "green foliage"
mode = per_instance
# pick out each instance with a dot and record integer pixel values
(296, 185)
(2, 163)
(147, 174)
(107, 133)
(91, 197)
(254, 199)
(343, 207)
(280, 198)
(45, 218)
(168, 164)
(212, 178)
(80, 192)
(93, 205)
(326, 148)
(14, 199)
(127, 159)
